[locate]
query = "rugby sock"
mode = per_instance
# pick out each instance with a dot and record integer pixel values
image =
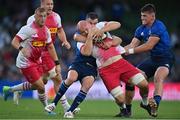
(79, 98)
(21, 87)
(157, 98)
(145, 101)
(43, 99)
(128, 107)
(63, 88)
(64, 103)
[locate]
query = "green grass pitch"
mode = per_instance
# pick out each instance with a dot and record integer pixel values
(90, 109)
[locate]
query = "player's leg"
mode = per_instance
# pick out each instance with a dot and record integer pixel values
(39, 85)
(139, 80)
(57, 79)
(129, 95)
(110, 76)
(86, 84)
(159, 77)
(119, 97)
(72, 76)
(49, 69)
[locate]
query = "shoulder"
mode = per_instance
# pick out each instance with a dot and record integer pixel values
(26, 28)
(158, 25)
(30, 19)
(56, 15)
(139, 29)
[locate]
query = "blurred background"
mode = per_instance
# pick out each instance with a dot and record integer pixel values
(14, 13)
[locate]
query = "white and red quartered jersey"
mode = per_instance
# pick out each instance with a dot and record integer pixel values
(35, 39)
(53, 22)
(101, 54)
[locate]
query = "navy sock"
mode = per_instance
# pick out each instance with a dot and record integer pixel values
(63, 88)
(157, 98)
(79, 98)
(128, 107)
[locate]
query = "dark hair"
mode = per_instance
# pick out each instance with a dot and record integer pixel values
(148, 8)
(92, 15)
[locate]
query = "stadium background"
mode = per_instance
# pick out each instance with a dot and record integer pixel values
(14, 13)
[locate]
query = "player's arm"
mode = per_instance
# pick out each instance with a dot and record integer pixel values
(16, 43)
(86, 49)
(116, 40)
(63, 39)
(108, 26)
(52, 52)
(134, 43)
(79, 38)
(21, 35)
(152, 41)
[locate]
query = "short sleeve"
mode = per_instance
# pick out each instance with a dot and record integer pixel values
(24, 32)
(58, 18)
(30, 19)
(138, 32)
(49, 40)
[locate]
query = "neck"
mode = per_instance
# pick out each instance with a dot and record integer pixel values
(151, 23)
(38, 25)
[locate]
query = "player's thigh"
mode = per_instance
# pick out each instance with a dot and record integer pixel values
(47, 63)
(161, 73)
(72, 76)
(110, 78)
(32, 74)
(87, 82)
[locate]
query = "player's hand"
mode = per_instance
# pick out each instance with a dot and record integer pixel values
(26, 52)
(58, 69)
(66, 44)
(91, 33)
(127, 49)
(98, 33)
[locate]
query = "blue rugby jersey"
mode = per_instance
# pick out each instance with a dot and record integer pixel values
(163, 47)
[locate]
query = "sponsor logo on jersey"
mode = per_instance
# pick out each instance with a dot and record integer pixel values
(34, 36)
(53, 30)
(142, 34)
(38, 43)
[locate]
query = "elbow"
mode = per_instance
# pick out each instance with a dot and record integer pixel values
(13, 43)
(118, 24)
(86, 52)
(74, 36)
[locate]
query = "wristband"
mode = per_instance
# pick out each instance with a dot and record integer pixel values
(20, 48)
(131, 51)
(56, 62)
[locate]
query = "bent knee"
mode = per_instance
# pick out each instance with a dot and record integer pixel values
(116, 92)
(138, 78)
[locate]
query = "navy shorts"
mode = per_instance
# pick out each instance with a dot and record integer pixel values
(83, 70)
(149, 66)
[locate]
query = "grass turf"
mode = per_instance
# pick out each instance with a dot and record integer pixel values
(90, 109)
